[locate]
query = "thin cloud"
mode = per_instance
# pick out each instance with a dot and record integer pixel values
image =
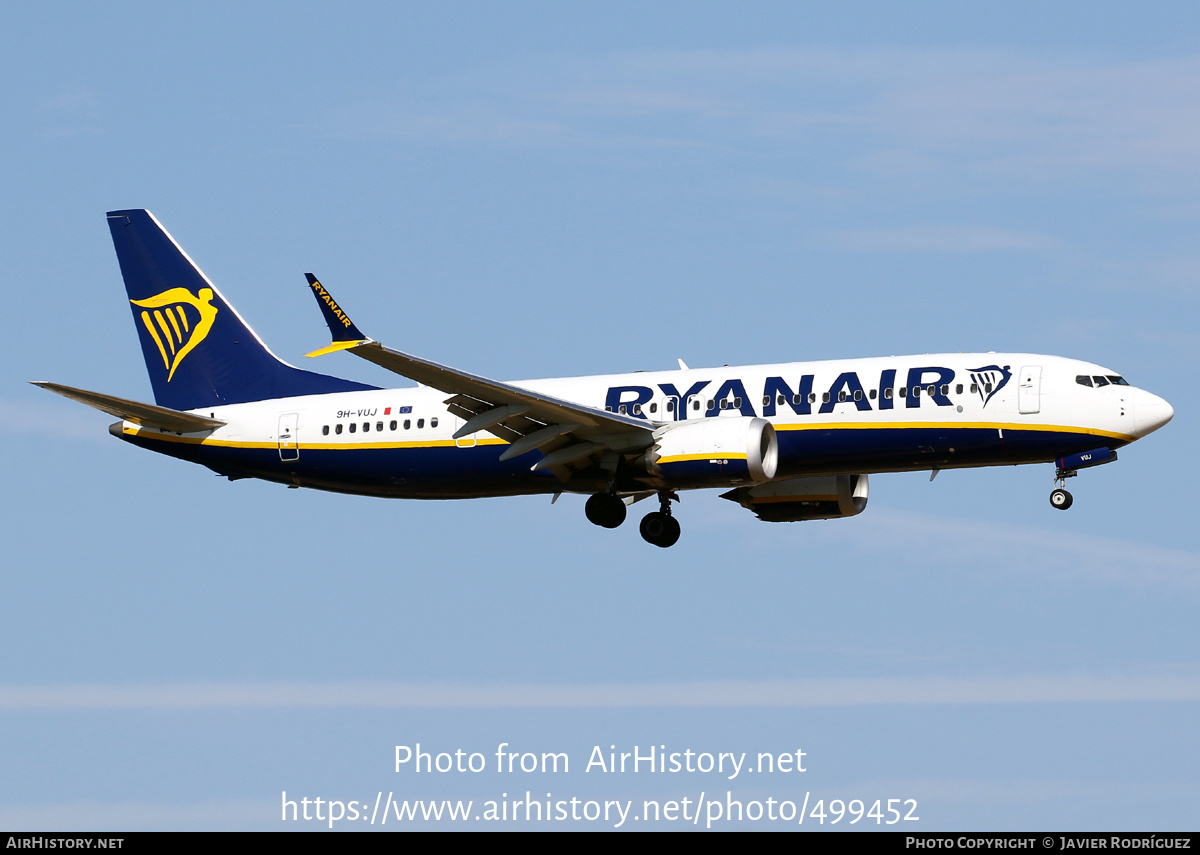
(1045, 552)
(1055, 688)
(920, 110)
(48, 418)
(133, 816)
(70, 112)
(935, 238)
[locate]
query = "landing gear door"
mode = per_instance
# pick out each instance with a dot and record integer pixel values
(289, 442)
(1029, 391)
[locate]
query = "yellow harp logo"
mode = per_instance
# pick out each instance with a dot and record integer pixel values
(169, 325)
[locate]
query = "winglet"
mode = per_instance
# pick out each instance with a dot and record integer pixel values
(345, 334)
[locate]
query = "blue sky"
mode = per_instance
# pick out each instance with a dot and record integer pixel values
(541, 190)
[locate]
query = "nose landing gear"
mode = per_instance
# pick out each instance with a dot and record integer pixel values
(1059, 497)
(659, 527)
(1069, 466)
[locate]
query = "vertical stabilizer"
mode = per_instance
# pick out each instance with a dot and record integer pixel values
(198, 350)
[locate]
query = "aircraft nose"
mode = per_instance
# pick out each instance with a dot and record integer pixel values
(1150, 412)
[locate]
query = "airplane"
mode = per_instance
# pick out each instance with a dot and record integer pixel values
(789, 442)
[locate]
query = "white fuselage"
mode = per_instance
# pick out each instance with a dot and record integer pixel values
(835, 416)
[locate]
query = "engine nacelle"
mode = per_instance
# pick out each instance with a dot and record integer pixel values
(821, 497)
(716, 452)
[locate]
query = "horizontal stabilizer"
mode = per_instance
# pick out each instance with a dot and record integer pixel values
(147, 415)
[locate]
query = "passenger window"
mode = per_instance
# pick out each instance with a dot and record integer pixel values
(974, 388)
(378, 425)
(391, 425)
(796, 399)
(337, 428)
(366, 426)
(637, 409)
(946, 389)
(353, 427)
(872, 394)
(654, 408)
(712, 405)
(887, 393)
(916, 391)
(812, 397)
(1083, 380)
(767, 400)
(325, 430)
(608, 409)
(407, 424)
(621, 409)
(824, 397)
(724, 403)
(987, 387)
(958, 389)
(932, 390)
(433, 423)
(841, 396)
(420, 423)
(903, 391)
(671, 406)
(695, 404)
(737, 402)
(858, 394)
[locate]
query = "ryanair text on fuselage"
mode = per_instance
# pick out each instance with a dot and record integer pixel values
(934, 381)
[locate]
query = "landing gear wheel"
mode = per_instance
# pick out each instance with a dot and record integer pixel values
(660, 529)
(605, 509)
(1061, 499)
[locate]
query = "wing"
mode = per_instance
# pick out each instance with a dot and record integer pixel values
(571, 436)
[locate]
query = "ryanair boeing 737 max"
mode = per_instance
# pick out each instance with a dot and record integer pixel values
(793, 441)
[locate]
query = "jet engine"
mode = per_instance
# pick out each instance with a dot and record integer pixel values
(821, 497)
(715, 452)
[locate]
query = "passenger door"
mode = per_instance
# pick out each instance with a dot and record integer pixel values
(1029, 389)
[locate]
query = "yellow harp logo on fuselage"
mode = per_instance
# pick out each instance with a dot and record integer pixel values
(169, 325)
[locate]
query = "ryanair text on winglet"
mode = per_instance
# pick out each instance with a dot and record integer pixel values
(320, 291)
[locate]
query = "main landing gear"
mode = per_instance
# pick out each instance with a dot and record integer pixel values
(657, 527)
(1059, 497)
(605, 510)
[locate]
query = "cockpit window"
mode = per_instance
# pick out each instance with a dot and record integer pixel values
(1083, 380)
(1100, 381)
(1117, 381)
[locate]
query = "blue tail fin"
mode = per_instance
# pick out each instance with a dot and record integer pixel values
(198, 350)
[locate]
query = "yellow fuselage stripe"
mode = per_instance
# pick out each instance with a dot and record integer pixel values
(325, 445)
(1013, 426)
